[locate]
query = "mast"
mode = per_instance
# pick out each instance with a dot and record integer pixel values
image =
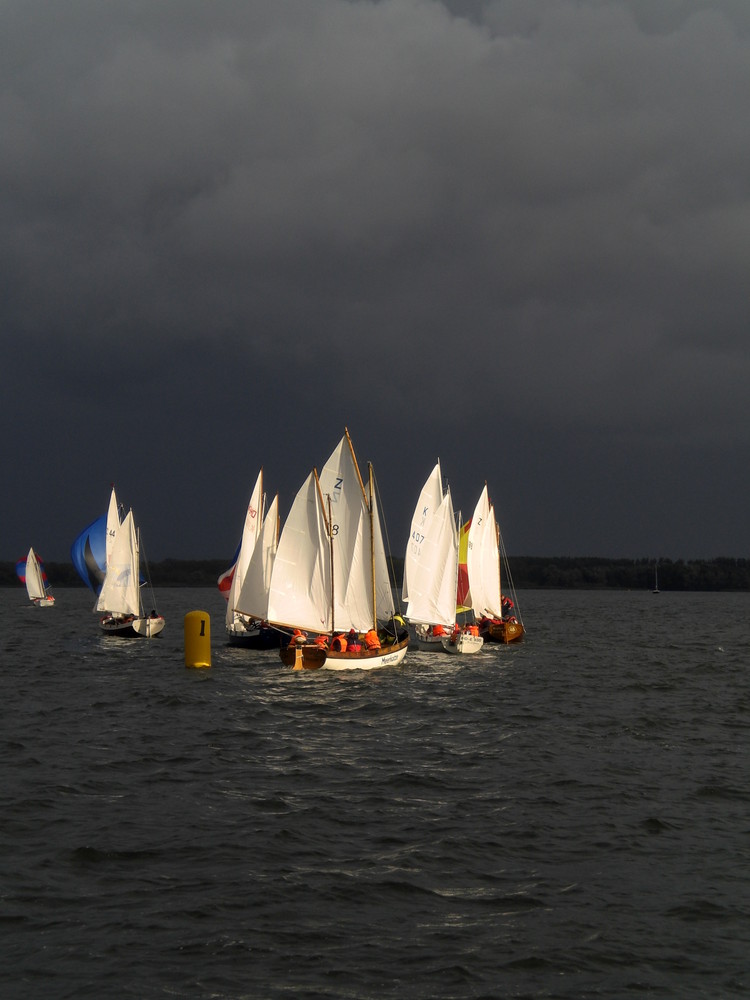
(372, 552)
(328, 521)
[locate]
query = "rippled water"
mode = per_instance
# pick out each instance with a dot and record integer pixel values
(565, 818)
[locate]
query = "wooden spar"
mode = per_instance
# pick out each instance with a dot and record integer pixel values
(327, 520)
(372, 553)
(356, 464)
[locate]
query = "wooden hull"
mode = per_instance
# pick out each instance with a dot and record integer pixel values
(503, 632)
(465, 643)
(311, 657)
(132, 628)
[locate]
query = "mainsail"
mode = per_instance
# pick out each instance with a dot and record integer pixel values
(483, 560)
(253, 597)
(300, 589)
(430, 564)
(90, 550)
(31, 573)
(120, 593)
(250, 533)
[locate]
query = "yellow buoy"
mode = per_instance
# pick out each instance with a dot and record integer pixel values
(197, 639)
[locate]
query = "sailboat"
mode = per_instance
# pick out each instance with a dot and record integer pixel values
(498, 617)
(90, 549)
(242, 629)
(656, 580)
(330, 575)
(120, 597)
(31, 572)
(431, 573)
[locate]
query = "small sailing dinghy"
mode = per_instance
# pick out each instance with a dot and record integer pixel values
(121, 595)
(330, 575)
(497, 614)
(31, 573)
(430, 584)
(260, 529)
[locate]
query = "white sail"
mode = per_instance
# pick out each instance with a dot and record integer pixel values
(431, 561)
(428, 502)
(252, 599)
(250, 533)
(120, 593)
(113, 523)
(34, 583)
(300, 590)
(483, 560)
(384, 605)
(343, 496)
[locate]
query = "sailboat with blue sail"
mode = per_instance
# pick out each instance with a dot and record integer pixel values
(107, 556)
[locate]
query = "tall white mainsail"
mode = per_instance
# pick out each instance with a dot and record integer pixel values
(34, 583)
(120, 593)
(483, 560)
(300, 590)
(250, 532)
(113, 523)
(431, 561)
(345, 502)
(253, 597)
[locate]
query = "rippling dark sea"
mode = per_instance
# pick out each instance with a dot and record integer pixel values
(565, 818)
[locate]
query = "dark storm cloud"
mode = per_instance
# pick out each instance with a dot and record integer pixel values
(512, 220)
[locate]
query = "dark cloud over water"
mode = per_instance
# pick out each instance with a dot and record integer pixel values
(510, 234)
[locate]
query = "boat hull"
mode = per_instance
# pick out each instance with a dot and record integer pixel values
(503, 632)
(310, 656)
(425, 642)
(464, 643)
(132, 628)
(255, 636)
(44, 602)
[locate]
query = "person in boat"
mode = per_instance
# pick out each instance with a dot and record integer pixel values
(338, 643)
(322, 641)
(438, 630)
(298, 637)
(371, 639)
(506, 606)
(352, 642)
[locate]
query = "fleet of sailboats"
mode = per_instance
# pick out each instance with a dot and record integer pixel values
(320, 588)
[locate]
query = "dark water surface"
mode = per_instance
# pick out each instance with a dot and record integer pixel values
(566, 818)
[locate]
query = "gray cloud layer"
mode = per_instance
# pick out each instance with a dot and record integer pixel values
(520, 220)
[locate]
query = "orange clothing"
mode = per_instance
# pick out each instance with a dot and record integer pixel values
(339, 643)
(438, 630)
(371, 639)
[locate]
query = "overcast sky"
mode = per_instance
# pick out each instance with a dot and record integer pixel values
(510, 234)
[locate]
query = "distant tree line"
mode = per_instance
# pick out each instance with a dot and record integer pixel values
(528, 572)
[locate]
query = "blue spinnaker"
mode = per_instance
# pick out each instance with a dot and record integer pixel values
(89, 553)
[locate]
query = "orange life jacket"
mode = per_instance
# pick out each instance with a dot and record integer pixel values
(339, 643)
(371, 640)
